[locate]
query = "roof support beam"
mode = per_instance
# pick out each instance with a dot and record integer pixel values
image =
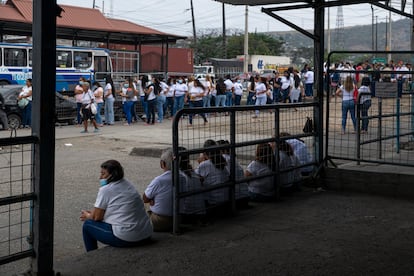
(290, 24)
(391, 9)
(286, 8)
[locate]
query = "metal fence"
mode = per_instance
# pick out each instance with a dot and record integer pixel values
(389, 138)
(243, 132)
(16, 198)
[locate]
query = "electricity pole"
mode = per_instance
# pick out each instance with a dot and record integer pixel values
(194, 33)
(246, 41)
(224, 34)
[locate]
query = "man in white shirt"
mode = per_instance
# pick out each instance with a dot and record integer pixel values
(159, 195)
(309, 77)
(229, 91)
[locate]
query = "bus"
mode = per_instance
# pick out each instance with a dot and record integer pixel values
(71, 64)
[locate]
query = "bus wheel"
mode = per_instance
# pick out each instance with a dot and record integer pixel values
(14, 121)
(4, 82)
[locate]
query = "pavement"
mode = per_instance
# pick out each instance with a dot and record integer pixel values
(313, 232)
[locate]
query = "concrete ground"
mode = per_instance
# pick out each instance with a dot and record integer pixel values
(310, 233)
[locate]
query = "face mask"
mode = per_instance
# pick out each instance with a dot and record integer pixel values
(103, 182)
(126, 85)
(180, 81)
(239, 81)
(80, 82)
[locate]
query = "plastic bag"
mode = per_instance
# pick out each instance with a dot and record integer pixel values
(94, 110)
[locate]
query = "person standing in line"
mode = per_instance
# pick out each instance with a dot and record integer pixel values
(118, 217)
(221, 93)
(78, 98)
(109, 97)
(348, 103)
(134, 117)
(285, 86)
(276, 87)
(208, 89)
(128, 92)
(170, 96)
(181, 89)
(238, 92)
(229, 91)
(142, 83)
(98, 93)
(261, 97)
(87, 100)
(296, 90)
(251, 88)
(196, 100)
(365, 101)
(152, 90)
(26, 93)
(161, 100)
(309, 79)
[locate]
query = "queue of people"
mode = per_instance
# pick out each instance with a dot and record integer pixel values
(121, 217)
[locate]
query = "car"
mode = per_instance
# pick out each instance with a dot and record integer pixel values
(65, 106)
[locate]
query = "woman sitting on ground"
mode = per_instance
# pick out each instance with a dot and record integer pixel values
(262, 189)
(118, 217)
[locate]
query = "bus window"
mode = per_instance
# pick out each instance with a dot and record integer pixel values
(83, 60)
(101, 67)
(15, 57)
(63, 59)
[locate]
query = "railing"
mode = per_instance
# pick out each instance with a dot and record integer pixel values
(243, 133)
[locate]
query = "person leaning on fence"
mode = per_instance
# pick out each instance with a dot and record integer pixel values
(348, 103)
(262, 189)
(118, 217)
(365, 102)
(159, 195)
(212, 170)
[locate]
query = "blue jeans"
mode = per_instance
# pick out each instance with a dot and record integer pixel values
(348, 106)
(133, 112)
(260, 101)
(364, 113)
(170, 105)
(144, 105)
(207, 101)
(220, 100)
(250, 98)
(237, 99)
(178, 103)
(98, 116)
(27, 114)
(78, 116)
(276, 95)
(308, 89)
(94, 231)
(127, 109)
(109, 111)
(161, 99)
(229, 98)
(196, 104)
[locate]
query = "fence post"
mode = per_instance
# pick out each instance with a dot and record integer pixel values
(398, 123)
(379, 134)
(232, 193)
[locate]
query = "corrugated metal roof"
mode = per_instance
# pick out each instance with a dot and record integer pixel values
(90, 23)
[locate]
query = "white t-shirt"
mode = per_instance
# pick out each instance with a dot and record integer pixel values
(124, 210)
(180, 89)
(213, 176)
(229, 84)
(170, 92)
(151, 95)
(87, 97)
(295, 93)
(347, 95)
(285, 82)
(196, 94)
(161, 191)
(301, 151)
(108, 91)
(286, 162)
(238, 89)
(98, 94)
(260, 90)
(164, 88)
(241, 190)
(365, 97)
(264, 186)
(309, 77)
(25, 91)
(194, 204)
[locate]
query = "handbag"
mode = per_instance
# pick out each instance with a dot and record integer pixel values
(308, 128)
(23, 102)
(94, 110)
(355, 95)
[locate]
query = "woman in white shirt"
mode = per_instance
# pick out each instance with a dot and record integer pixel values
(365, 102)
(151, 91)
(118, 217)
(181, 89)
(260, 92)
(109, 101)
(26, 93)
(208, 89)
(196, 100)
(285, 86)
(98, 93)
(238, 92)
(170, 96)
(348, 104)
(262, 189)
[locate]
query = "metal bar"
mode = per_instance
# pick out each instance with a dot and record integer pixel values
(23, 140)
(379, 133)
(15, 199)
(286, 8)
(290, 24)
(391, 9)
(44, 80)
(176, 178)
(232, 161)
(398, 124)
(17, 256)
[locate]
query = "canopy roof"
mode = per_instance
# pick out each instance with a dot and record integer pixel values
(79, 23)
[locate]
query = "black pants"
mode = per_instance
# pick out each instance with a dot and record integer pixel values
(151, 111)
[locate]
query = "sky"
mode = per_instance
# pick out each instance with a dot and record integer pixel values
(174, 16)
